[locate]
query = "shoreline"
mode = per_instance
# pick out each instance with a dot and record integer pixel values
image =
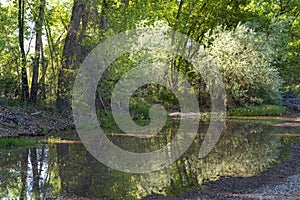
(279, 182)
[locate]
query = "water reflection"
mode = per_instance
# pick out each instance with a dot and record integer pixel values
(68, 170)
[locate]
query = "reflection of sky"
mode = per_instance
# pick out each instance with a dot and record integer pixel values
(28, 42)
(42, 170)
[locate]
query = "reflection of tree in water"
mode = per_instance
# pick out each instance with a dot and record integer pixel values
(26, 173)
(243, 150)
(68, 169)
(51, 184)
(35, 172)
(12, 176)
(62, 154)
(36, 178)
(23, 170)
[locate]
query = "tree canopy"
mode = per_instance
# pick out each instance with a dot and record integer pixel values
(256, 44)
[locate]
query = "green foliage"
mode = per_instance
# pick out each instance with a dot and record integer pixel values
(108, 122)
(293, 90)
(264, 110)
(139, 108)
(245, 66)
(280, 22)
(250, 60)
(8, 84)
(6, 142)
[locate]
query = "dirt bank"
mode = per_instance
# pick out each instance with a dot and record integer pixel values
(15, 121)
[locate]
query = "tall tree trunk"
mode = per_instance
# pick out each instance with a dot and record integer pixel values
(103, 24)
(103, 18)
(68, 65)
(38, 45)
(84, 21)
(42, 84)
(24, 81)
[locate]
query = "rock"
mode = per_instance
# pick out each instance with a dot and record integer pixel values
(292, 101)
(179, 114)
(36, 113)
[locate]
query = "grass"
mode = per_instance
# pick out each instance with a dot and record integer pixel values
(264, 110)
(6, 142)
(59, 140)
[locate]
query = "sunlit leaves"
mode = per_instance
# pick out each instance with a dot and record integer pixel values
(246, 69)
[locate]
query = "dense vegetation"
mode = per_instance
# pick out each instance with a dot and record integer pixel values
(256, 44)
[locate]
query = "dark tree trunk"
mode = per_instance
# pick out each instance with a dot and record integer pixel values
(68, 65)
(24, 79)
(84, 21)
(103, 17)
(42, 84)
(37, 54)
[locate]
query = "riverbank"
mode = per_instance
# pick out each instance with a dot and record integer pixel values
(17, 121)
(32, 122)
(279, 182)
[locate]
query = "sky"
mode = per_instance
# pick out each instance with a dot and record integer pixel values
(31, 48)
(4, 2)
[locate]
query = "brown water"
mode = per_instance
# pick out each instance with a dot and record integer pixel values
(60, 170)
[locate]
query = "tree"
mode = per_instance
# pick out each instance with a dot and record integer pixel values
(71, 32)
(280, 21)
(24, 81)
(68, 65)
(37, 54)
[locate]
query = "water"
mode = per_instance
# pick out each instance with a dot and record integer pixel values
(61, 170)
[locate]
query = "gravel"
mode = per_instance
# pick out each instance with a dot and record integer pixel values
(290, 189)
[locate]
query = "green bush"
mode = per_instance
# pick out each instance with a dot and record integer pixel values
(245, 65)
(139, 108)
(264, 110)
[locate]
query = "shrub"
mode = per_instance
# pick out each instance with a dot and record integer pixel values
(247, 73)
(265, 110)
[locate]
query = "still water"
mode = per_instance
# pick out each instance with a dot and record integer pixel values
(66, 169)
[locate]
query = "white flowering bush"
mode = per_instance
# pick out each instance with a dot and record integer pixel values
(248, 75)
